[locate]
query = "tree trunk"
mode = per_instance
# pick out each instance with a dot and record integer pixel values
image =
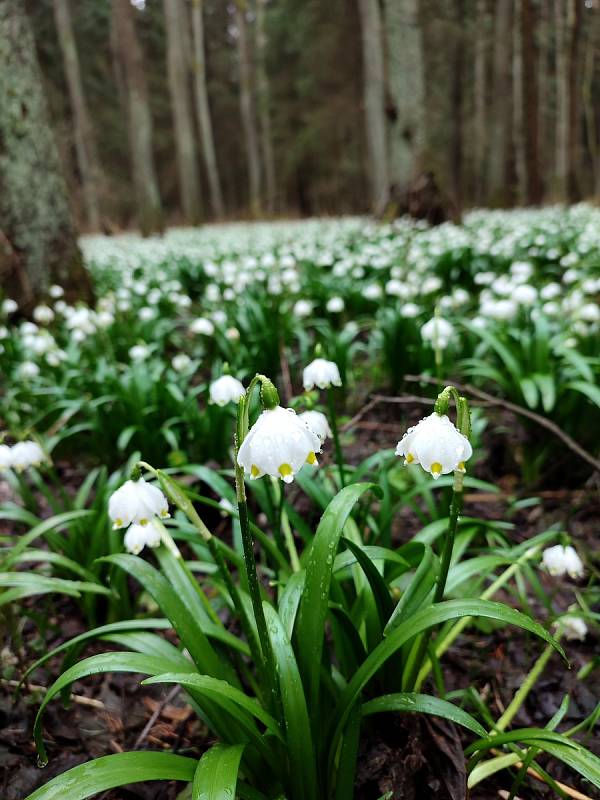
(480, 99)
(203, 111)
(177, 63)
(264, 113)
(406, 91)
(562, 98)
(135, 91)
(575, 23)
(247, 108)
(38, 243)
(517, 104)
(85, 145)
(592, 47)
(501, 162)
(374, 99)
(529, 98)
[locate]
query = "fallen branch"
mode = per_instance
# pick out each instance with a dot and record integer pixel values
(80, 699)
(574, 793)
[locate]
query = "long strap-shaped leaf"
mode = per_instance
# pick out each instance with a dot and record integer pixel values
(422, 704)
(427, 618)
(105, 662)
(310, 624)
(217, 773)
(119, 769)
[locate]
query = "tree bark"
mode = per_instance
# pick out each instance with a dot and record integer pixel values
(562, 98)
(480, 99)
(529, 98)
(85, 145)
(38, 243)
(135, 92)
(264, 112)
(203, 111)
(575, 22)
(374, 100)
(501, 148)
(248, 109)
(406, 81)
(177, 68)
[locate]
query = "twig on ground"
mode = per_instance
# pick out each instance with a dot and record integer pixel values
(155, 715)
(516, 409)
(80, 699)
(574, 793)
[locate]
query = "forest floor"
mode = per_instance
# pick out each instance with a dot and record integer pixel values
(412, 757)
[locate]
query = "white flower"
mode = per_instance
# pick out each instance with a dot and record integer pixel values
(203, 326)
(56, 291)
(139, 352)
(318, 423)
(335, 305)
(435, 444)
(559, 560)
(43, 314)
(136, 501)
(437, 332)
(410, 310)
(232, 334)
(278, 444)
(6, 458)
(226, 389)
(574, 628)
(181, 362)
(9, 306)
(146, 314)
(303, 308)
(29, 369)
(321, 373)
(226, 506)
(26, 454)
(372, 292)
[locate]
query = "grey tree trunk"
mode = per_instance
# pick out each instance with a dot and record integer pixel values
(85, 145)
(38, 243)
(530, 103)
(247, 108)
(135, 95)
(407, 91)
(500, 175)
(574, 28)
(374, 100)
(177, 67)
(480, 99)
(562, 98)
(203, 111)
(264, 113)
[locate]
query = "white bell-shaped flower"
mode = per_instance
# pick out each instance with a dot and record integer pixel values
(559, 561)
(6, 457)
(435, 444)
(574, 628)
(26, 454)
(321, 373)
(318, 423)
(278, 444)
(226, 389)
(135, 538)
(138, 502)
(437, 332)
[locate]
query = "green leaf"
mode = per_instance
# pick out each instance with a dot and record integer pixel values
(109, 772)
(104, 662)
(422, 704)
(27, 584)
(217, 773)
(310, 624)
(57, 521)
(588, 389)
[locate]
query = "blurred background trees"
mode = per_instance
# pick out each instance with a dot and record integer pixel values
(188, 110)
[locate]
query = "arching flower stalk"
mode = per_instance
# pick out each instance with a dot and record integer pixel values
(439, 447)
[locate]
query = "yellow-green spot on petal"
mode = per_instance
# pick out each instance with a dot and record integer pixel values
(254, 471)
(311, 458)
(409, 458)
(118, 522)
(436, 468)
(164, 512)
(461, 466)
(285, 470)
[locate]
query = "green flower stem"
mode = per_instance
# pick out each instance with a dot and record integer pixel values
(440, 587)
(444, 644)
(336, 437)
(521, 694)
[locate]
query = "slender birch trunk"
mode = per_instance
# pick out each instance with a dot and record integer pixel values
(264, 113)
(248, 109)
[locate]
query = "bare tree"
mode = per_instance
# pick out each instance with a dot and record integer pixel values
(480, 98)
(374, 99)
(264, 113)
(574, 28)
(501, 167)
(177, 64)
(203, 111)
(529, 98)
(85, 144)
(247, 107)
(562, 97)
(38, 242)
(135, 94)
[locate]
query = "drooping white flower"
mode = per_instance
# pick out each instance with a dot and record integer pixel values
(136, 501)
(232, 334)
(321, 373)
(226, 389)
(139, 536)
(139, 352)
(181, 362)
(27, 454)
(303, 308)
(9, 306)
(335, 305)
(202, 326)
(437, 332)
(559, 561)
(278, 444)
(43, 314)
(6, 457)
(56, 291)
(574, 628)
(318, 423)
(28, 370)
(435, 444)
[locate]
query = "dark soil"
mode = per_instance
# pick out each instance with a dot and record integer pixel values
(412, 757)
